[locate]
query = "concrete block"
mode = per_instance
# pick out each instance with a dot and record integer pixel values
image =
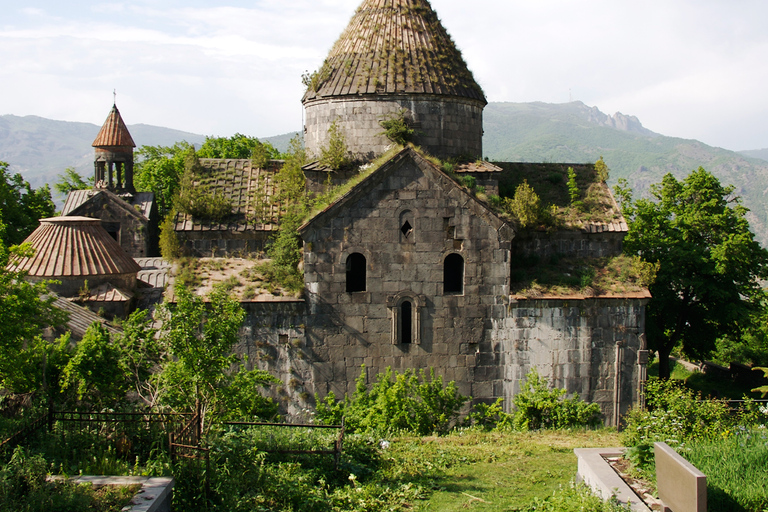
(681, 487)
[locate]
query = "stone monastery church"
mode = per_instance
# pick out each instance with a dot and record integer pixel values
(408, 269)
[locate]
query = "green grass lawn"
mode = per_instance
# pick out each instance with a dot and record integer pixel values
(492, 471)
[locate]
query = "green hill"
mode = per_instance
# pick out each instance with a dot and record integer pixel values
(574, 132)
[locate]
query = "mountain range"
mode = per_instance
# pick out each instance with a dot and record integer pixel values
(40, 148)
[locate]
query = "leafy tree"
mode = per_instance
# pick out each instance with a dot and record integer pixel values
(709, 262)
(25, 311)
(71, 180)
(140, 354)
(21, 206)
(160, 169)
(201, 368)
(94, 371)
(238, 146)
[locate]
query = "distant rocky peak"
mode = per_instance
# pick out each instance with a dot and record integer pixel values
(618, 121)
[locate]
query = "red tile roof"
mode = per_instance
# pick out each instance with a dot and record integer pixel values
(113, 133)
(74, 246)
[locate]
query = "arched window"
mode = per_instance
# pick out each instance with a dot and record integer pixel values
(355, 272)
(453, 274)
(406, 319)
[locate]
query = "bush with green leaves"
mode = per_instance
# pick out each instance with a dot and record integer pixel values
(525, 205)
(573, 190)
(335, 154)
(24, 487)
(397, 128)
(397, 402)
(675, 414)
(537, 406)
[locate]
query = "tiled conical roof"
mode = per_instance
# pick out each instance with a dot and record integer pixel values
(394, 47)
(74, 246)
(114, 132)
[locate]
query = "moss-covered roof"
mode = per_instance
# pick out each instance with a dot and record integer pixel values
(249, 189)
(598, 212)
(394, 47)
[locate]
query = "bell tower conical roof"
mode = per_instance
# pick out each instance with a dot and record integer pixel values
(394, 47)
(113, 132)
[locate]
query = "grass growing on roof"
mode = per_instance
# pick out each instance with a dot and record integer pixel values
(322, 201)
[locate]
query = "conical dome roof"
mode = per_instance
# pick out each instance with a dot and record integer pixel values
(74, 247)
(394, 47)
(113, 133)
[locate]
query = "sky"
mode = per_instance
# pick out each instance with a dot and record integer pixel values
(694, 69)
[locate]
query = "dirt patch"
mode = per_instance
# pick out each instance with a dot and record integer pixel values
(644, 489)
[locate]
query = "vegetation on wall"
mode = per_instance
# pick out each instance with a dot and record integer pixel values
(397, 128)
(335, 154)
(525, 206)
(196, 198)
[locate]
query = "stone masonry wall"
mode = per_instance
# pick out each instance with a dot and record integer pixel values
(446, 126)
(571, 343)
(569, 243)
(273, 339)
(131, 233)
(574, 344)
(348, 329)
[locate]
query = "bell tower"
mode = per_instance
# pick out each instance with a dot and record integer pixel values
(113, 159)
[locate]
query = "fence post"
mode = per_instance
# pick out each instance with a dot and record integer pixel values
(50, 416)
(339, 443)
(198, 422)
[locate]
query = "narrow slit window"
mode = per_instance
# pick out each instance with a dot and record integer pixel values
(453, 274)
(406, 328)
(406, 229)
(355, 272)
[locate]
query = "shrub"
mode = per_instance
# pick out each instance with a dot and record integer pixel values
(573, 189)
(170, 247)
(397, 128)
(525, 205)
(538, 407)
(335, 155)
(397, 402)
(602, 171)
(676, 414)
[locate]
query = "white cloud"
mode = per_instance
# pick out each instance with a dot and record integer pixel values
(685, 68)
